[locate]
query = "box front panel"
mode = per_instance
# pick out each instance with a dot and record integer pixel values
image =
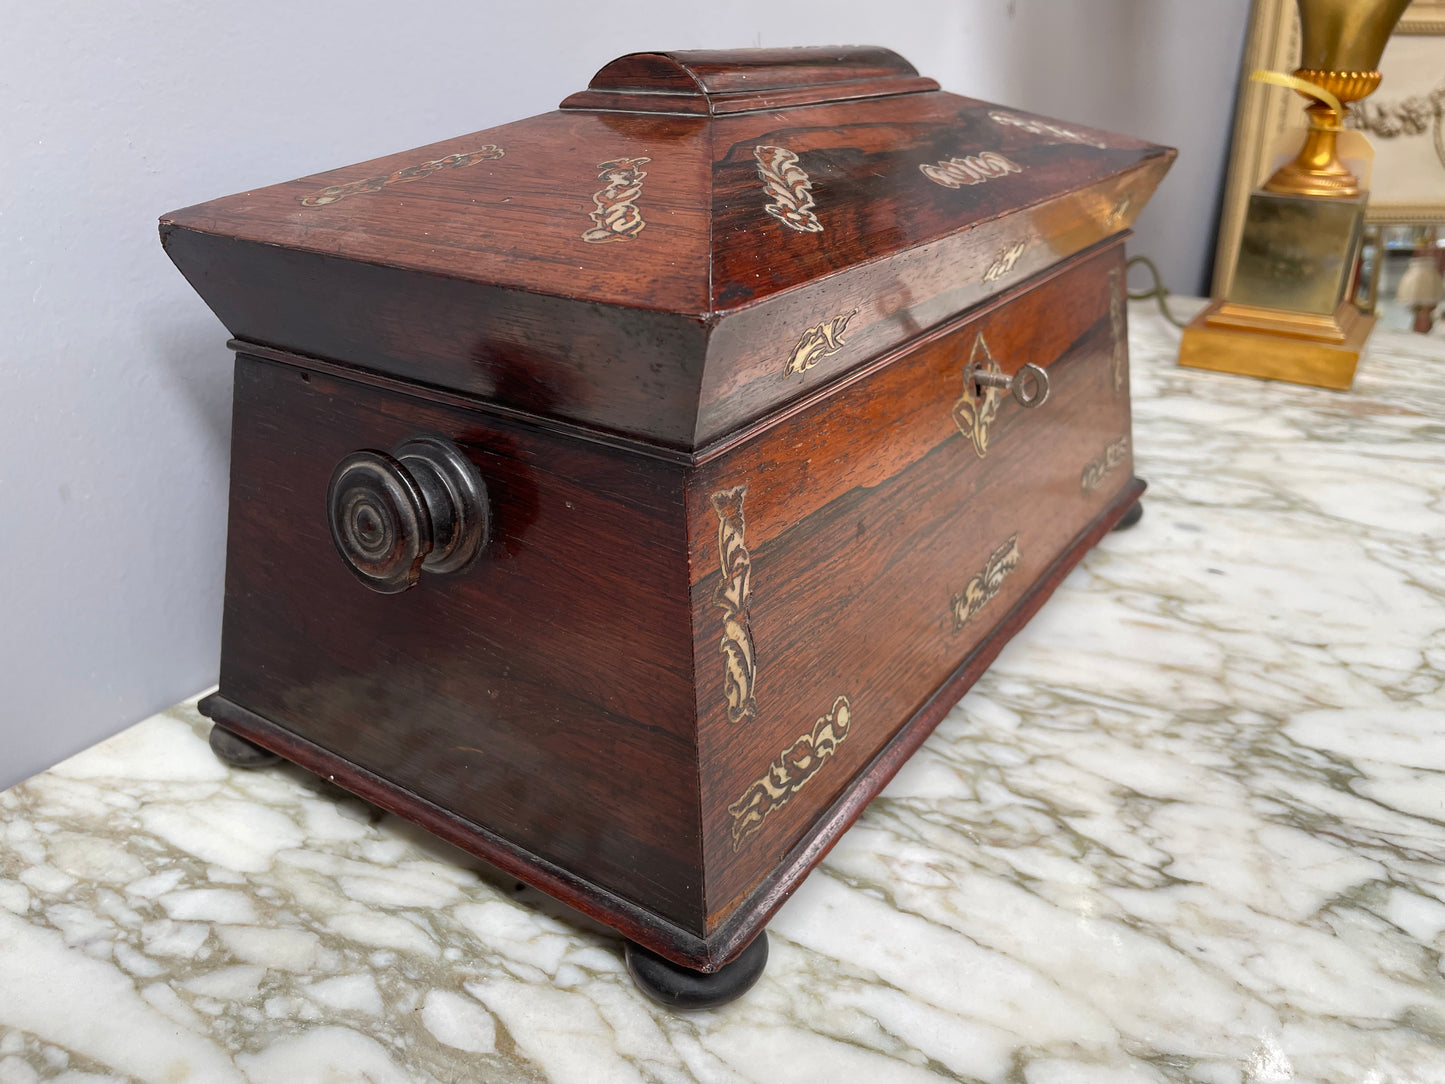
(849, 558)
(545, 694)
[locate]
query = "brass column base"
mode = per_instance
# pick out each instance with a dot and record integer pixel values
(1335, 327)
(1244, 346)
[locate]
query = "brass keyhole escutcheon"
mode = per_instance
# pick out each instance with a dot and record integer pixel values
(975, 410)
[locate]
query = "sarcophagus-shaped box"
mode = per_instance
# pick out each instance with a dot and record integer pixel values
(624, 493)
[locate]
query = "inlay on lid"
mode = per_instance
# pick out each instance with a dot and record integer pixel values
(695, 240)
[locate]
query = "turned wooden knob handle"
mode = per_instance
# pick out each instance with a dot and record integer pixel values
(423, 508)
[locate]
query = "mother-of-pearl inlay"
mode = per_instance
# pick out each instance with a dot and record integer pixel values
(616, 215)
(788, 187)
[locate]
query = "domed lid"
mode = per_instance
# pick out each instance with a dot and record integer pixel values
(644, 260)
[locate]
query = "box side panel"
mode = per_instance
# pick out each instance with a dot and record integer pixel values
(545, 694)
(857, 551)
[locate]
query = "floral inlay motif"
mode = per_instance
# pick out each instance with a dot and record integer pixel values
(734, 594)
(977, 593)
(617, 217)
(790, 192)
(790, 772)
(1004, 262)
(818, 342)
(1039, 126)
(972, 169)
(1114, 453)
(408, 173)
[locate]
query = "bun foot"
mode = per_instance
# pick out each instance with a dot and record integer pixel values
(1131, 517)
(684, 990)
(238, 752)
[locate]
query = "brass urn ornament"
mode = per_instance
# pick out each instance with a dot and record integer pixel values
(1287, 314)
(1341, 45)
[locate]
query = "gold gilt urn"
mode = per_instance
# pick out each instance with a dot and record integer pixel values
(1288, 314)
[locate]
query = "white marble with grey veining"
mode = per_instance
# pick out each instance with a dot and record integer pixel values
(1189, 827)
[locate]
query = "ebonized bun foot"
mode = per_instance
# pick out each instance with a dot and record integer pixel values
(685, 990)
(238, 752)
(1131, 517)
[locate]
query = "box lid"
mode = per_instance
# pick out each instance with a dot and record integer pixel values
(691, 242)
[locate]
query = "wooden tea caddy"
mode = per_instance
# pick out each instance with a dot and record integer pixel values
(623, 494)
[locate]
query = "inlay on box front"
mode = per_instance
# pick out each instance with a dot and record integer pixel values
(624, 493)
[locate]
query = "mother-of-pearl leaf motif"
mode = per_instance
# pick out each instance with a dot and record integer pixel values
(1095, 471)
(818, 342)
(337, 192)
(789, 190)
(969, 169)
(790, 771)
(986, 583)
(1039, 126)
(616, 216)
(734, 595)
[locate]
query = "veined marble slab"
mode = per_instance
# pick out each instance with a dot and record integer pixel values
(1190, 827)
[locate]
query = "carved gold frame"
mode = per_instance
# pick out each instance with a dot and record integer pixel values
(1423, 17)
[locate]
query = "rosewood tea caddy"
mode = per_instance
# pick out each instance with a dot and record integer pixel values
(624, 493)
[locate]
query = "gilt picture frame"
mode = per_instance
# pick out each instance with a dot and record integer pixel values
(1262, 114)
(1423, 17)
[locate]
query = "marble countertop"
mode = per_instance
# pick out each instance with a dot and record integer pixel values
(1189, 827)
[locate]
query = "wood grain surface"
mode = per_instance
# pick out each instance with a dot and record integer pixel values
(866, 514)
(547, 693)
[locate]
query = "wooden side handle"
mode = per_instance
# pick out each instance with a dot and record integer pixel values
(421, 508)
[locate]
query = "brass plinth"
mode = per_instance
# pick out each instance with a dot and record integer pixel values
(1317, 169)
(1297, 252)
(1334, 327)
(1219, 338)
